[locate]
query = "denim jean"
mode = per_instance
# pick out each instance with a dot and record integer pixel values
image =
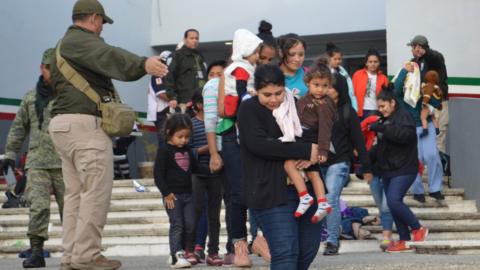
(395, 189)
(181, 235)
(202, 225)
(293, 242)
(253, 224)
(233, 171)
(335, 177)
(428, 154)
(376, 187)
(226, 201)
(212, 186)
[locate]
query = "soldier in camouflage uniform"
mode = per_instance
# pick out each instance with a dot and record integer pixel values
(43, 164)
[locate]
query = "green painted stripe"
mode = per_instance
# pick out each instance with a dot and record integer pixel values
(464, 81)
(10, 101)
(456, 80)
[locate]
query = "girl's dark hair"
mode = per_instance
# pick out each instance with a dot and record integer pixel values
(176, 122)
(331, 49)
(220, 63)
(372, 52)
(387, 93)
(197, 99)
(265, 34)
(185, 35)
(319, 69)
(288, 41)
(268, 74)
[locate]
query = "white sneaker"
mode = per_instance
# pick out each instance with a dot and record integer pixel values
(179, 261)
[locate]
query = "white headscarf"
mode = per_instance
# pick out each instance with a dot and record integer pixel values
(244, 44)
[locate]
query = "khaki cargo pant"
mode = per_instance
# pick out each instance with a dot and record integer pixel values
(87, 166)
(40, 183)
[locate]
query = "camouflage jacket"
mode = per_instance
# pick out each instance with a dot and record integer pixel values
(41, 152)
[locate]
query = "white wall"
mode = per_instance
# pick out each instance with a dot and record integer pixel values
(29, 27)
(218, 19)
(452, 27)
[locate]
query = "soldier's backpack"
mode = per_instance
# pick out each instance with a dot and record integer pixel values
(117, 118)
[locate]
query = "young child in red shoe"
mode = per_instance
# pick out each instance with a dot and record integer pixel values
(173, 170)
(314, 121)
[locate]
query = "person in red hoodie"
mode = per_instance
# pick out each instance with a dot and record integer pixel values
(367, 84)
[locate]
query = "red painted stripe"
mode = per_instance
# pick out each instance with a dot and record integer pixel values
(7, 116)
(460, 95)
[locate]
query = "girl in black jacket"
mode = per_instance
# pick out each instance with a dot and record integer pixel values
(346, 136)
(397, 161)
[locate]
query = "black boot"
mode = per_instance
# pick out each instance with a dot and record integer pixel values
(424, 132)
(36, 260)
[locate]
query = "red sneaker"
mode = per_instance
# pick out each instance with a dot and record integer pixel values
(399, 246)
(214, 260)
(420, 235)
(191, 257)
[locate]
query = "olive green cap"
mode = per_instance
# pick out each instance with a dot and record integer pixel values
(418, 40)
(91, 7)
(48, 56)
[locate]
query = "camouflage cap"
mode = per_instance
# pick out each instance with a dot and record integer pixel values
(418, 40)
(91, 7)
(48, 56)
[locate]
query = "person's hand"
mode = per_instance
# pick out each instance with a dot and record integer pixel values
(409, 67)
(303, 164)
(314, 154)
(322, 158)
(376, 127)
(216, 163)
(368, 177)
(8, 163)
(154, 66)
(173, 104)
(170, 201)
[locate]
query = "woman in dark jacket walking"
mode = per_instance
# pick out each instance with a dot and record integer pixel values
(397, 161)
(293, 242)
(346, 136)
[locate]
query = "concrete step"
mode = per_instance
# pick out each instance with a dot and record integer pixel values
(161, 217)
(448, 247)
(434, 227)
(150, 249)
(152, 201)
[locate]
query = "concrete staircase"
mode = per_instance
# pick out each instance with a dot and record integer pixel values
(138, 225)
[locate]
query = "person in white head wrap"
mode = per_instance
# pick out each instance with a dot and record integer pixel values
(239, 74)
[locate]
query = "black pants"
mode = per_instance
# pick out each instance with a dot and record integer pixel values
(211, 185)
(233, 172)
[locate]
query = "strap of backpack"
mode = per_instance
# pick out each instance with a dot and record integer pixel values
(75, 78)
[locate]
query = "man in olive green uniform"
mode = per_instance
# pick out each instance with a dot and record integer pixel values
(84, 148)
(188, 71)
(43, 164)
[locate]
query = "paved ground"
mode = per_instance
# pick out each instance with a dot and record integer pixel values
(351, 261)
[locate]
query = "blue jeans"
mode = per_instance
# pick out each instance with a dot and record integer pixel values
(233, 172)
(253, 224)
(202, 226)
(395, 189)
(293, 242)
(181, 235)
(376, 187)
(429, 156)
(335, 177)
